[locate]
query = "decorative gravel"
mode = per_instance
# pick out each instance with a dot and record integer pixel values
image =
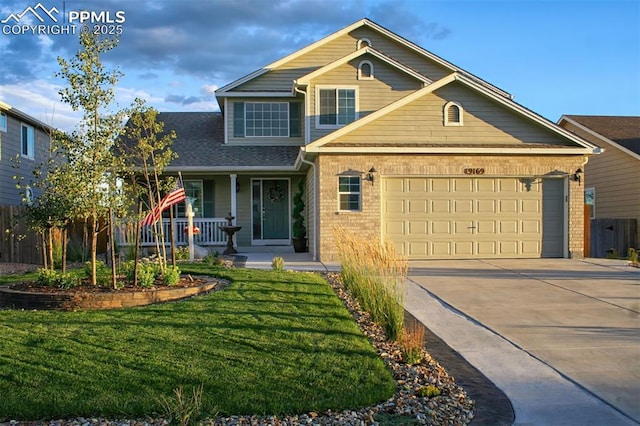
(451, 407)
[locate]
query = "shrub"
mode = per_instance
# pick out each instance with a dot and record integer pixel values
(375, 275)
(633, 255)
(171, 276)
(182, 253)
(429, 391)
(127, 269)
(147, 274)
(412, 343)
(51, 278)
(277, 263)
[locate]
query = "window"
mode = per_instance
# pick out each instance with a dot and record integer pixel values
(193, 191)
(3, 122)
(453, 114)
(349, 193)
(365, 70)
(590, 200)
(267, 119)
(336, 107)
(363, 42)
(28, 141)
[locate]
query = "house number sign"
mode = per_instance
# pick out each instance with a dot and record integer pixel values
(472, 171)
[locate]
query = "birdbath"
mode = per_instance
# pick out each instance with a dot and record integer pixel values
(230, 229)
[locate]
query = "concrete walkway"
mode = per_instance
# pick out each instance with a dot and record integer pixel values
(561, 338)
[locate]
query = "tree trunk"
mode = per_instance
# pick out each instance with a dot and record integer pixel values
(93, 249)
(63, 237)
(50, 249)
(137, 243)
(43, 237)
(112, 248)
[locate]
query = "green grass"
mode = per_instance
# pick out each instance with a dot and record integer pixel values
(271, 343)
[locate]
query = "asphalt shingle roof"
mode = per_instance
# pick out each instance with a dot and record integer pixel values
(200, 143)
(623, 130)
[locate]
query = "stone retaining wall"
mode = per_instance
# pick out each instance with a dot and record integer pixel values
(17, 299)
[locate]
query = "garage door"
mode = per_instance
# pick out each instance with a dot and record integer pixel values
(439, 218)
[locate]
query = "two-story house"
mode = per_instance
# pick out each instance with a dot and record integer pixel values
(24, 144)
(392, 141)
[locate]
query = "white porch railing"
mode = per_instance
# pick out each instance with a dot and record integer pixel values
(210, 234)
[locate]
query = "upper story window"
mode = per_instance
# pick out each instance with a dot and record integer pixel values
(363, 42)
(3, 122)
(365, 70)
(453, 114)
(349, 193)
(267, 119)
(335, 106)
(28, 141)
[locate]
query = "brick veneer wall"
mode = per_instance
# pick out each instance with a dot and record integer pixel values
(368, 222)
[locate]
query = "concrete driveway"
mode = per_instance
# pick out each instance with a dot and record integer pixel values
(560, 337)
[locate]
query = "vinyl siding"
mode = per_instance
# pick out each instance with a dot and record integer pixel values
(421, 121)
(282, 77)
(10, 148)
(388, 85)
(615, 176)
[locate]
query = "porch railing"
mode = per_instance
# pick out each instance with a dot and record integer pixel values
(210, 234)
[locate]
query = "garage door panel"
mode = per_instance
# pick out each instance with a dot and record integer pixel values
(418, 206)
(463, 248)
(463, 185)
(440, 206)
(465, 217)
(530, 206)
(418, 228)
(462, 206)
(487, 248)
(417, 249)
(393, 206)
(486, 227)
(440, 227)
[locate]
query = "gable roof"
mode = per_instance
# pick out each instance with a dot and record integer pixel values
(365, 22)
(622, 132)
(200, 147)
(304, 80)
(23, 116)
(581, 146)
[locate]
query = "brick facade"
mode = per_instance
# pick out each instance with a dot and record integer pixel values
(368, 222)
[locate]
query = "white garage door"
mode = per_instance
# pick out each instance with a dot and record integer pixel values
(439, 218)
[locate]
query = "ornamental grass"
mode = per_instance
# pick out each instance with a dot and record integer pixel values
(375, 275)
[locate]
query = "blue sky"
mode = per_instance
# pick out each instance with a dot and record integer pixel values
(554, 57)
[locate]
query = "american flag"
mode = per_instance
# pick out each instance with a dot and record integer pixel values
(175, 196)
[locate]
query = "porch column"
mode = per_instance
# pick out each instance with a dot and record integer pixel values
(234, 201)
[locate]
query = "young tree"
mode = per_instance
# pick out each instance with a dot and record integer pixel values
(148, 146)
(94, 169)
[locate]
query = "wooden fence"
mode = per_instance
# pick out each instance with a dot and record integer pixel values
(17, 243)
(613, 237)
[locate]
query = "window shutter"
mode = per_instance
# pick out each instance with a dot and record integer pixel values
(295, 119)
(238, 119)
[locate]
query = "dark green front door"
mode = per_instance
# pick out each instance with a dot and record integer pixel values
(271, 211)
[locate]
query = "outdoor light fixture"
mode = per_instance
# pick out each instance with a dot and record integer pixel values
(577, 176)
(370, 176)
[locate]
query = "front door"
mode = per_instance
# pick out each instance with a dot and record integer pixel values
(271, 212)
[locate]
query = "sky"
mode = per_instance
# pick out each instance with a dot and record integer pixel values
(554, 57)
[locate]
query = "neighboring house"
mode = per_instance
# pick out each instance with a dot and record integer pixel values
(612, 179)
(392, 142)
(24, 144)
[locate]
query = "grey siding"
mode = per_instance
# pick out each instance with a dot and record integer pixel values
(10, 149)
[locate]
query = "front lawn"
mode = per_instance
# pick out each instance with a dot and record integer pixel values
(270, 343)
